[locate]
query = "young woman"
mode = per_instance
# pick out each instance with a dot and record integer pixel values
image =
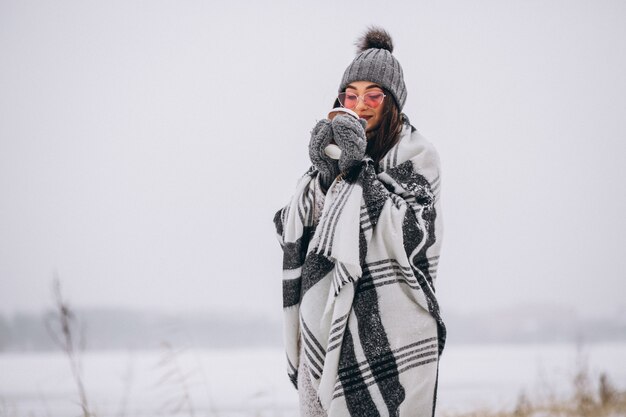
(361, 239)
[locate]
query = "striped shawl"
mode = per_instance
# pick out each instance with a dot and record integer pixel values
(358, 284)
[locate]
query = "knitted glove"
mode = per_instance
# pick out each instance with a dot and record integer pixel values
(349, 133)
(328, 168)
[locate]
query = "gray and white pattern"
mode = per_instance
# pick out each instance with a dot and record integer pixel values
(358, 285)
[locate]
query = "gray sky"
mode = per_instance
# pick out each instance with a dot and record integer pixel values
(145, 146)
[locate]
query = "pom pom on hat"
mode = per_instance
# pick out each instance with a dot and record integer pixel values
(375, 37)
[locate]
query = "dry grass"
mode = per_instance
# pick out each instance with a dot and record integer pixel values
(586, 400)
(68, 335)
(65, 330)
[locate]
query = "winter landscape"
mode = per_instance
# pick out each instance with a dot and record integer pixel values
(203, 366)
(146, 146)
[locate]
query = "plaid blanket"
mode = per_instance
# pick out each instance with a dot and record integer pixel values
(358, 284)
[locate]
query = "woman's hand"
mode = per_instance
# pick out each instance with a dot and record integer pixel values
(321, 137)
(349, 134)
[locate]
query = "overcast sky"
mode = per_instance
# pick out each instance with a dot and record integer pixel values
(145, 146)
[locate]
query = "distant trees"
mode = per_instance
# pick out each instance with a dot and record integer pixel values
(5, 334)
(128, 329)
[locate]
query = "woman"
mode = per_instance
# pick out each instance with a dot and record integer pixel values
(361, 239)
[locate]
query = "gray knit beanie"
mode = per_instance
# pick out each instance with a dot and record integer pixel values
(375, 63)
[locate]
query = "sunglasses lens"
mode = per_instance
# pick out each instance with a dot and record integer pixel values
(373, 99)
(348, 100)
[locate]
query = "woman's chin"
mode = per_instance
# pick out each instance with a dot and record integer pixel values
(369, 129)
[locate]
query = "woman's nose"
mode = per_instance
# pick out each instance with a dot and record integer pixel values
(360, 104)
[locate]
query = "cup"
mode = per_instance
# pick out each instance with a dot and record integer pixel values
(333, 151)
(338, 110)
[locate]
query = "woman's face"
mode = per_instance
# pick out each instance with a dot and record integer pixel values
(372, 115)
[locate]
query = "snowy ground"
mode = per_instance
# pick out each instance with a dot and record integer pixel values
(246, 382)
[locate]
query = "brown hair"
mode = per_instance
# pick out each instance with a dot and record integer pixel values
(386, 135)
